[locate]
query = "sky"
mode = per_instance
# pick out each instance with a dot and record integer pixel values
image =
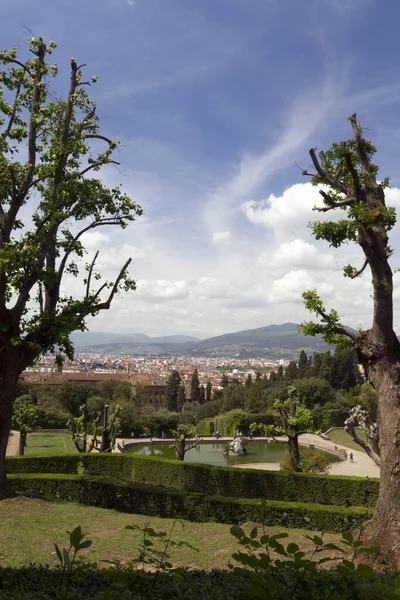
(216, 104)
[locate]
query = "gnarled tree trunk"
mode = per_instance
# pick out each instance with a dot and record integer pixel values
(9, 374)
(384, 530)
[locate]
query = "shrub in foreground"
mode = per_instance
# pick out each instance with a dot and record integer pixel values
(267, 569)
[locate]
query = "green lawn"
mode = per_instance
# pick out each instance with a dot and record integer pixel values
(30, 527)
(341, 437)
(44, 444)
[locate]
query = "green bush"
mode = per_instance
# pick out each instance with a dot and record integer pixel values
(312, 460)
(214, 481)
(66, 463)
(227, 423)
(152, 501)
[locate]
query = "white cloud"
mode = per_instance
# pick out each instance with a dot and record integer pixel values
(297, 253)
(161, 290)
(221, 237)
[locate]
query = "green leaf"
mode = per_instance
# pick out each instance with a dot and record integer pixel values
(75, 537)
(292, 548)
(237, 532)
(253, 533)
(58, 552)
(66, 557)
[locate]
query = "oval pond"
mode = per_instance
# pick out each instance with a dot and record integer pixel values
(212, 453)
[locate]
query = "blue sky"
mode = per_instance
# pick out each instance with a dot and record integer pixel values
(216, 102)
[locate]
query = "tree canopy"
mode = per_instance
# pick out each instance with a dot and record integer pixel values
(56, 177)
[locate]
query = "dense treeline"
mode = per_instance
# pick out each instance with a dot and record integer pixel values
(328, 384)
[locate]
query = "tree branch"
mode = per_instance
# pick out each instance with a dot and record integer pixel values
(337, 328)
(332, 203)
(90, 274)
(97, 136)
(324, 175)
(362, 152)
(101, 288)
(358, 273)
(106, 305)
(14, 110)
(19, 198)
(16, 62)
(362, 418)
(98, 164)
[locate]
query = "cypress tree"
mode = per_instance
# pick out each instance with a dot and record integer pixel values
(181, 397)
(173, 383)
(195, 387)
(303, 365)
(208, 391)
(202, 395)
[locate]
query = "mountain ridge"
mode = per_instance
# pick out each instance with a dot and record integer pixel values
(279, 341)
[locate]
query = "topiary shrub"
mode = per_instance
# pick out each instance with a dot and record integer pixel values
(152, 501)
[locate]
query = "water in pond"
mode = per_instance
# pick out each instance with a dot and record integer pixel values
(212, 453)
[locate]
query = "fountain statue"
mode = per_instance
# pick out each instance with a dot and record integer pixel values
(237, 447)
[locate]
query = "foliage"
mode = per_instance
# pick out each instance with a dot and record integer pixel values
(208, 391)
(173, 384)
(293, 424)
(181, 435)
(160, 420)
(267, 568)
(67, 558)
(311, 461)
(193, 506)
(181, 397)
(151, 556)
(58, 181)
(195, 387)
(210, 480)
(25, 418)
(102, 423)
(279, 571)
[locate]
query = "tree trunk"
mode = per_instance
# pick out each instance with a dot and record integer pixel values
(180, 450)
(105, 445)
(8, 382)
(384, 530)
(22, 443)
(294, 453)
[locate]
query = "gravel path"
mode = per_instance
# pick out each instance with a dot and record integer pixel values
(13, 443)
(362, 466)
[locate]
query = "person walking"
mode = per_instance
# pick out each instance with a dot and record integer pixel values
(351, 457)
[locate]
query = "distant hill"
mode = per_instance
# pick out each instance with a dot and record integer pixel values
(174, 339)
(275, 341)
(91, 338)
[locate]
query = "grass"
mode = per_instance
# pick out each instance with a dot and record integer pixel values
(45, 444)
(339, 436)
(30, 527)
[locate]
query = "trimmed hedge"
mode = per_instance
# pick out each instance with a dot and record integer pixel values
(140, 499)
(213, 481)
